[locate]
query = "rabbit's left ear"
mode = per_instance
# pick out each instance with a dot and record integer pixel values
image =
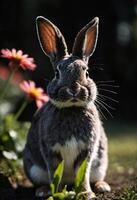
(51, 39)
(86, 40)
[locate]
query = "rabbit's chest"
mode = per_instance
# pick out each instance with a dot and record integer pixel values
(69, 151)
(70, 129)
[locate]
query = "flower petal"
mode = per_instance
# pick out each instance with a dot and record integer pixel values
(34, 93)
(19, 53)
(39, 103)
(32, 84)
(40, 90)
(44, 98)
(17, 58)
(6, 53)
(13, 51)
(25, 86)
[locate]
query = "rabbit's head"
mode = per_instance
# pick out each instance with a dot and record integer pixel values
(71, 85)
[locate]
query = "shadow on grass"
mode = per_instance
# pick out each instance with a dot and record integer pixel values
(8, 192)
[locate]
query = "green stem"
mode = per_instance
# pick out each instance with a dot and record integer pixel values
(6, 86)
(23, 106)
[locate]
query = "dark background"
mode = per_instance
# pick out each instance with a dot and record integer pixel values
(115, 57)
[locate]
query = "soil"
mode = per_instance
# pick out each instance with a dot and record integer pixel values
(10, 190)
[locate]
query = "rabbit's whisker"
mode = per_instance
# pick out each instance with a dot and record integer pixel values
(109, 81)
(104, 96)
(106, 90)
(98, 64)
(100, 111)
(47, 80)
(103, 106)
(108, 85)
(97, 58)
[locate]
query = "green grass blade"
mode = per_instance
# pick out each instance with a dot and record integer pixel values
(80, 176)
(57, 177)
(52, 187)
(59, 195)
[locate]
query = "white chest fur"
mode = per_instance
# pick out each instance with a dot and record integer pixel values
(69, 151)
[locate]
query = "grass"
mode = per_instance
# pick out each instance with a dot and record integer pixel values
(123, 152)
(122, 173)
(129, 194)
(122, 147)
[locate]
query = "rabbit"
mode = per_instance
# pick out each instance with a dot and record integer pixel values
(68, 127)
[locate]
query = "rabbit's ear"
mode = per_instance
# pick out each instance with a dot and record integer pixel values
(51, 40)
(86, 40)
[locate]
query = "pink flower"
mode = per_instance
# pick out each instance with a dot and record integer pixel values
(34, 93)
(18, 58)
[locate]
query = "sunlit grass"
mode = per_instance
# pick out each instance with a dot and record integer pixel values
(123, 148)
(129, 194)
(123, 151)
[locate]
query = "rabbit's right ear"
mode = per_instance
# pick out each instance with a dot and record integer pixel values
(51, 40)
(86, 40)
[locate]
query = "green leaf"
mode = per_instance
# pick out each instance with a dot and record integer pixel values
(57, 177)
(59, 195)
(52, 187)
(80, 176)
(50, 198)
(65, 190)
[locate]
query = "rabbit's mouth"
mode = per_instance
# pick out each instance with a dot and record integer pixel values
(74, 100)
(69, 103)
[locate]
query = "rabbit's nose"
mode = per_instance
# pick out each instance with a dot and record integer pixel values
(74, 90)
(72, 93)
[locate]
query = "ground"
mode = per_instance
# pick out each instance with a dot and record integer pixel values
(122, 173)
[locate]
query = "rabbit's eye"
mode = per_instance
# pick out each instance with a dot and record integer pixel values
(84, 68)
(87, 74)
(57, 73)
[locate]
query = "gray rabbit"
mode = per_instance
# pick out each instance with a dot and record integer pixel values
(68, 127)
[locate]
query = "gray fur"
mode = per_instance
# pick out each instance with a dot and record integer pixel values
(68, 127)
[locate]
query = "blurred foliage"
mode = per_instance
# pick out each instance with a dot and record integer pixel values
(12, 132)
(12, 140)
(9, 103)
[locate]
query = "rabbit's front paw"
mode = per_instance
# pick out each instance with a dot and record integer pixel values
(88, 195)
(43, 191)
(102, 186)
